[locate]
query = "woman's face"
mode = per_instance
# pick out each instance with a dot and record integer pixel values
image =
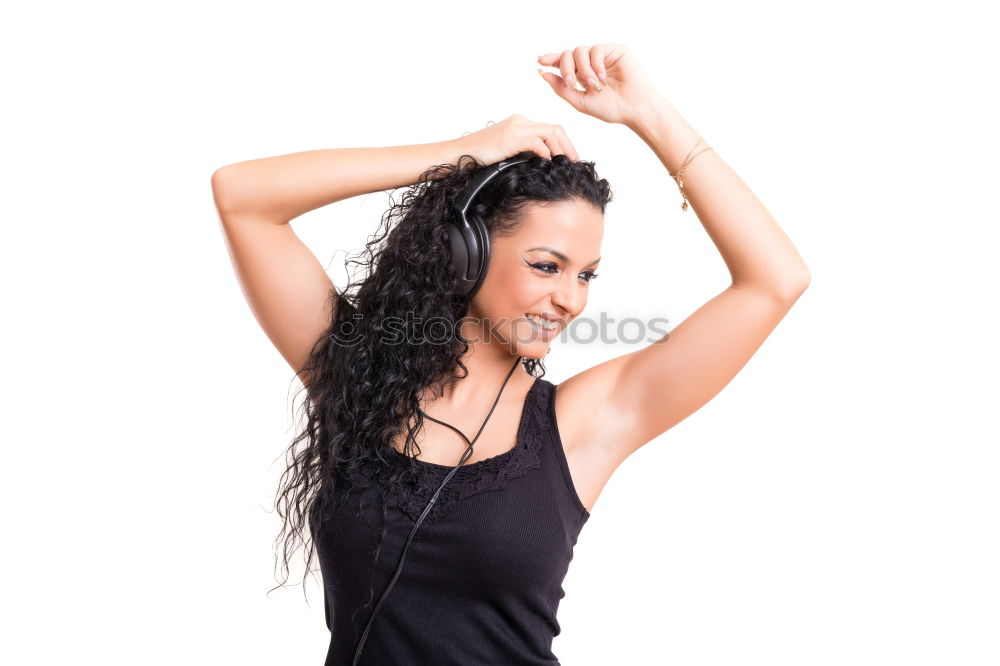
(544, 269)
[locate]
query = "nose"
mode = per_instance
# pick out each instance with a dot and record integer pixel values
(570, 298)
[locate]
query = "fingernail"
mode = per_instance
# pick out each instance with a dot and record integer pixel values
(604, 77)
(592, 82)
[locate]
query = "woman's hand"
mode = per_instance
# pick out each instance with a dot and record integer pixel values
(616, 87)
(514, 135)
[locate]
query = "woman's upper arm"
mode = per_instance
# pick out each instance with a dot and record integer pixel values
(642, 394)
(291, 296)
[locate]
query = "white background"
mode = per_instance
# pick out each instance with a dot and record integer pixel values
(837, 503)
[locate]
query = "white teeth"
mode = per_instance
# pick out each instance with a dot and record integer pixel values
(544, 323)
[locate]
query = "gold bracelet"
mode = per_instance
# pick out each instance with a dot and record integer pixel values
(678, 176)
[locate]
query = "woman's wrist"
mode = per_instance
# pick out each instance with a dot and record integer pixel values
(452, 149)
(648, 110)
(658, 123)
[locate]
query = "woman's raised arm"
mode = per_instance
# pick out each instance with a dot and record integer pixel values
(643, 394)
(287, 289)
(281, 188)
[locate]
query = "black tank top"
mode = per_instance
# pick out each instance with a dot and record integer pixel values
(482, 578)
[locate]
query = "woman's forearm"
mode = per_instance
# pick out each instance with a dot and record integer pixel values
(756, 250)
(282, 188)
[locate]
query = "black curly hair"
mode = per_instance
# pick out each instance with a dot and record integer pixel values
(361, 395)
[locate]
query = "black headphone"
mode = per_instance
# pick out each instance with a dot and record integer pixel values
(470, 257)
(470, 238)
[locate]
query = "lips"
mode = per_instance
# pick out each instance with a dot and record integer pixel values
(557, 321)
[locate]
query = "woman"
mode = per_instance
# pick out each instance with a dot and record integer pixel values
(400, 412)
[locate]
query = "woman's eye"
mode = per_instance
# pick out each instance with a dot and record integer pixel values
(548, 267)
(545, 267)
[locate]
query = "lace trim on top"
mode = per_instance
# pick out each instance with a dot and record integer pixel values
(490, 474)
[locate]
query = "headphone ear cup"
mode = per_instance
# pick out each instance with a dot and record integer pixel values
(470, 256)
(469, 236)
(483, 240)
(459, 260)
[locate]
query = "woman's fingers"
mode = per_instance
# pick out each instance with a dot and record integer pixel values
(551, 142)
(568, 69)
(566, 143)
(545, 139)
(597, 53)
(613, 84)
(559, 85)
(539, 146)
(583, 64)
(584, 70)
(553, 138)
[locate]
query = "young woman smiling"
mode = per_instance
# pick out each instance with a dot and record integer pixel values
(388, 415)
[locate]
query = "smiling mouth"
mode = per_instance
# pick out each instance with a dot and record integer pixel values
(543, 323)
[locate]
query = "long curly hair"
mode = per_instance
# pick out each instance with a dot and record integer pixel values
(361, 392)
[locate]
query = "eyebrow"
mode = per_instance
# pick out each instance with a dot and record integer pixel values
(560, 255)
